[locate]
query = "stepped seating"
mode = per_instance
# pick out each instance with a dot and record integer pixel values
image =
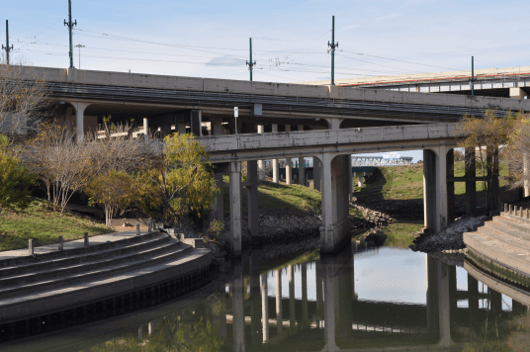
(504, 239)
(32, 286)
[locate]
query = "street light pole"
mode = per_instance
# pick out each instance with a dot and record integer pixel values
(79, 46)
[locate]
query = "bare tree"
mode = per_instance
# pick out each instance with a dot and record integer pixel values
(66, 166)
(22, 99)
(517, 153)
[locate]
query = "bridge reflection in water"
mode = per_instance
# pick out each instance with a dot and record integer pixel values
(338, 321)
(315, 306)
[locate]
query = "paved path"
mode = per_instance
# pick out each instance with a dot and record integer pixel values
(108, 237)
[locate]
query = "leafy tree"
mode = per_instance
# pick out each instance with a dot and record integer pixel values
(517, 153)
(182, 178)
(115, 190)
(487, 134)
(14, 179)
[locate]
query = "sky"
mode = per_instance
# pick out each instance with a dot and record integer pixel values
(211, 38)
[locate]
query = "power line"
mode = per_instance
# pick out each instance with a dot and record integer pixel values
(405, 61)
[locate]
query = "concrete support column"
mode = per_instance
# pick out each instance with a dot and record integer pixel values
(450, 172)
(196, 122)
(526, 174)
(253, 211)
(301, 171)
(275, 165)
(235, 207)
(238, 308)
(301, 165)
(471, 186)
(181, 127)
(517, 93)
(279, 318)
(165, 130)
(317, 174)
(146, 128)
(360, 182)
(288, 164)
(79, 120)
(217, 126)
(435, 189)
(261, 169)
(350, 180)
(335, 229)
(218, 205)
(292, 302)
(264, 308)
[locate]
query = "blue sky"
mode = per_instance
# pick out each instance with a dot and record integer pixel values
(210, 38)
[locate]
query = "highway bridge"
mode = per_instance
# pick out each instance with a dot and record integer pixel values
(328, 123)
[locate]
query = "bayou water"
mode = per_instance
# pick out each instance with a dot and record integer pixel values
(369, 299)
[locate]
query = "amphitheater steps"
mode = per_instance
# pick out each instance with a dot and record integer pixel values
(55, 280)
(504, 239)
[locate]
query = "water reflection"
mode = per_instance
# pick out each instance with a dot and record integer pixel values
(313, 306)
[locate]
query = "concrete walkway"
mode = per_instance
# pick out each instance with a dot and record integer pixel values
(50, 248)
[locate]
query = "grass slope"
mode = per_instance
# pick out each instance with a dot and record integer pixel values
(284, 200)
(42, 225)
(406, 182)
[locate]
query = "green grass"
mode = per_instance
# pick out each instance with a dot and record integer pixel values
(400, 234)
(406, 182)
(282, 200)
(42, 225)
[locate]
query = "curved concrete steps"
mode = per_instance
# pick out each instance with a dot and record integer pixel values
(505, 239)
(55, 281)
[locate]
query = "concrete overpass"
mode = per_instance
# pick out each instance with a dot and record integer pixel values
(276, 121)
(508, 82)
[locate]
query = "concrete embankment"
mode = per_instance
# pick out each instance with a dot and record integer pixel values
(503, 245)
(113, 274)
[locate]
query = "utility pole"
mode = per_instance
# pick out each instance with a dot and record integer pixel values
(70, 26)
(472, 75)
(250, 63)
(7, 48)
(79, 46)
(333, 45)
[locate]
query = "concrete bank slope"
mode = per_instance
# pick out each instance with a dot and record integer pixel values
(115, 274)
(502, 245)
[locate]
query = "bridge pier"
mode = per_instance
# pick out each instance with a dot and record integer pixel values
(435, 191)
(79, 119)
(252, 188)
(301, 171)
(235, 207)
(317, 174)
(275, 165)
(335, 229)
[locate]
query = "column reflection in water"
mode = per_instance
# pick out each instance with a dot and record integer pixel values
(292, 311)
(337, 276)
(264, 308)
(238, 313)
(438, 301)
(279, 318)
(255, 299)
(305, 308)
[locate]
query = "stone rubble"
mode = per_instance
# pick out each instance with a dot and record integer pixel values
(450, 240)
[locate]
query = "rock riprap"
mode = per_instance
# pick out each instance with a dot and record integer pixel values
(450, 239)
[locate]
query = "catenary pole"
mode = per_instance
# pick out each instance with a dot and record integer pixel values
(7, 48)
(70, 26)
(250, 63)
(333, 45)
